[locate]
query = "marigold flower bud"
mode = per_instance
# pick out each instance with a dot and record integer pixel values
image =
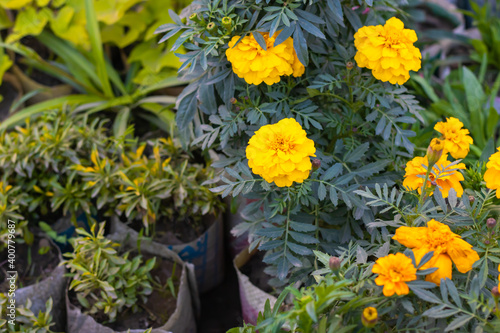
(471, 198)
(334, 263)
(227, 23)
(369, 317)
(435, 151)
(196, 17)
(316, 164)
(211, 26)
(349, 65)
(233, 100)
(495, 292)
(487, 242)
(237, 108)
(491, 223)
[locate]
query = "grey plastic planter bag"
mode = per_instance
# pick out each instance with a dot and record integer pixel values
(52, 286)
(206, 252)
(183, 320)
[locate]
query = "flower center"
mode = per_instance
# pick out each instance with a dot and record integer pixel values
(395, 274)
(392, 38)
(281, 143)
(438, 240)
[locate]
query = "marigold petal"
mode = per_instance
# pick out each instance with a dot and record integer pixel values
(443, 263)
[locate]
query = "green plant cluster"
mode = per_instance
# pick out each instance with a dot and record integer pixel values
(361, 127)
(337, 298)
(48, 161)
(26, 321)
(104, 281)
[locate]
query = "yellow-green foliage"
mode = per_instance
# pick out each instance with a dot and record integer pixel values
(121, 22)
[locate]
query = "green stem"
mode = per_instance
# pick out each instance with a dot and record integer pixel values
(422, 194)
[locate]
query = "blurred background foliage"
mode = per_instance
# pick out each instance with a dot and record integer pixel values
(101, 55)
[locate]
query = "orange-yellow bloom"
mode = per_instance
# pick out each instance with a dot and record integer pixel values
(492, 174)
(393, 272)
(447, 247)
(256, 65)
(415, 173)
(388, 51)
(280, 153)
(369, 317)
(456, 139)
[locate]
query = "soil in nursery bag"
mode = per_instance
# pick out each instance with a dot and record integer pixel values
(254, 269)
(176, 232)
(31, 266)
(201, 245)
(158, 308)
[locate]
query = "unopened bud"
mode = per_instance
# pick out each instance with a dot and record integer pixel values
(433, 183)
(233, 100)
(227, 23)
(354, 129)
(434, 151)
(211, 26)
(471, 198)
(349, 65)
(237, 108)
(487, 242)
(491, 223)
(316, 163)
(247, 98)
(369, 317)
(494, 291)
(334, 263)
(196, 17)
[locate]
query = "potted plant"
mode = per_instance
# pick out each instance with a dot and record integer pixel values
(112, 290)
(153, 186)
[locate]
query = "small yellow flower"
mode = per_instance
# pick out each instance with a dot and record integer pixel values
(388, 51)
(280, 153)
(456, 139)
(415, 173)
(256, 65)
(492, 174)
(447, 247)
(393, 272)
(369, 317)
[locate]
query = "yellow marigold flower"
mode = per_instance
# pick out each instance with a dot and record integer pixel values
(492, 174)
(447, 247)
(456, 139)
(388, 51)
(393, 272)
(415, 173)
(256, 65)
(280, 153)
(369, 317)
